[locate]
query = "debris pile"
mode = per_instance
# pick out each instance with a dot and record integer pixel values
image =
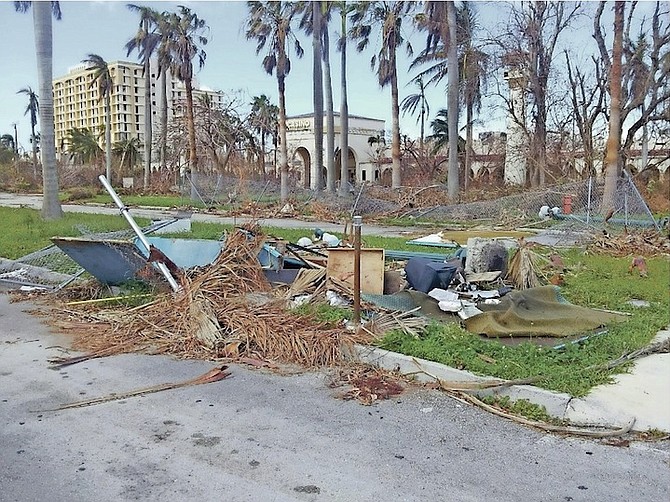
(646, 243)
(211, 316)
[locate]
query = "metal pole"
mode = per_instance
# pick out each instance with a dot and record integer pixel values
(124, 211)
(588, 202)
(358, 220)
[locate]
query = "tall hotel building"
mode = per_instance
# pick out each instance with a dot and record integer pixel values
(77, 104)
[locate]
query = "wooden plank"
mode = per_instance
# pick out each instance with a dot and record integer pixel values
(341, 266)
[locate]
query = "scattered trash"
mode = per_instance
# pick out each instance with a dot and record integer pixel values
(329, 239)
(436, 240)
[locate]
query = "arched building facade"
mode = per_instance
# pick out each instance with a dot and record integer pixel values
(364, 159)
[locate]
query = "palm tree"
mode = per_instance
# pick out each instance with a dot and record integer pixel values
(42, 12)
(146, 42)
(307, 24)
(388, 16)
(182, 38)
(472, 69)
(102, 79)
(263, 119)
(441, 133)
(128, 149)
(439, 20)
(317, 90)
(32, 108)
(418, 100)
(344, 106)
(84, 144)
(269, 24)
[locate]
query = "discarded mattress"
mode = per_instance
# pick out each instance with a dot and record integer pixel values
(540, 311)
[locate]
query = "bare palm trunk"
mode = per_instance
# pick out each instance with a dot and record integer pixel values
(51, 208)
(33, 140)
(164, 120)
(330, 119)
(344, 113)
(612, 167)
(148, 139)
(190, 124)
(283, 147)
(423, 126)
(468, 144)
(317, 167)
(396, 175)
(452, 105)
(108, 138)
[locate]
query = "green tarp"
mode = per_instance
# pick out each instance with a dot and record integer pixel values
(538, 311)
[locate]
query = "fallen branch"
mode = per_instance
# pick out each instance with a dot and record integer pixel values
(468, 398)
(211, 376)
(458, 390)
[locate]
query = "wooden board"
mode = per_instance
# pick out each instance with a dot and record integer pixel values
(341, 266)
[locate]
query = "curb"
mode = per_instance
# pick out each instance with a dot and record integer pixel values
(584, 411)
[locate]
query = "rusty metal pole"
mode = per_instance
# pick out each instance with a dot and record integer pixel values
(358, 220)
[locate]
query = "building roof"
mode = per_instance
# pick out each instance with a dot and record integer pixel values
(335, 114)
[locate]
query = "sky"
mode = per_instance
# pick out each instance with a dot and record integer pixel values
(232, 66)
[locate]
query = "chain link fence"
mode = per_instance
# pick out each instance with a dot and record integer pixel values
(578, 203)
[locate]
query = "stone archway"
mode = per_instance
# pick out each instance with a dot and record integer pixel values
(351, 166)
(301, 164)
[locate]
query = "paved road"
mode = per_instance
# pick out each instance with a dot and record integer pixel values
(35, 202)
(262, 437)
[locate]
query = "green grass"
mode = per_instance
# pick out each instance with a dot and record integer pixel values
(597, 281)
(23, 231)
(591, 281)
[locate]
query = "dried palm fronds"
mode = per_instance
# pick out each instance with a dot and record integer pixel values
(645, 243)
(381, 324)
(368, 383)
(306, 281)
(524, 268)
(211, 317)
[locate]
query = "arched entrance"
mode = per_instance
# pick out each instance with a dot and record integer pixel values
(351, 166)
(301, 163)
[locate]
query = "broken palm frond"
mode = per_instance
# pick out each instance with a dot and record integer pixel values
(524, 268)
(368, 383)
(214, 375)
(647, 243)
(409, 324)
(561, 429)
(306, 281)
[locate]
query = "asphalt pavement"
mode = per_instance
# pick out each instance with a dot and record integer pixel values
(260, 436)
